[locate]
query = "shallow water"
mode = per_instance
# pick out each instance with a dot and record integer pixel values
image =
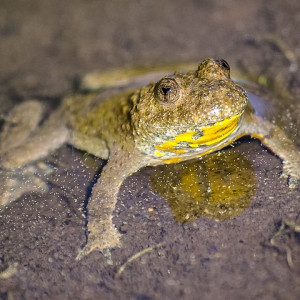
(219, 186)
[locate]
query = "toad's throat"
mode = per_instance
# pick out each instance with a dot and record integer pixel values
(204, 136)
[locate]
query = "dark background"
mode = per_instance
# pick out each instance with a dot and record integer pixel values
(45, 46)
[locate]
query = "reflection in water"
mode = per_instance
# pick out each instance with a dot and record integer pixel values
(219, 186)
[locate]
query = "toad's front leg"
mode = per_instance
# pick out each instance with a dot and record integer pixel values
(279, 143)
(102, 234)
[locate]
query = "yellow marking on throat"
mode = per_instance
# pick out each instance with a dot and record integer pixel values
(211, 135)
(179, 159)
(173, 160)
(158, 153)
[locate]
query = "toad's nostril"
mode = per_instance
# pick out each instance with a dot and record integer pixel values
(223, 63)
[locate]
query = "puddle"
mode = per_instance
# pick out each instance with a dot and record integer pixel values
(219, 186)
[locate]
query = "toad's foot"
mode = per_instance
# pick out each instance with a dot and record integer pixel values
(13, 184)
(102, 240)
(291, 171)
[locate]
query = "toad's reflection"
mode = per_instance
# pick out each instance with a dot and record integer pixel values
(219, 186)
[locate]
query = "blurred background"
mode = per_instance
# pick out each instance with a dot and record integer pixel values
(46, 44)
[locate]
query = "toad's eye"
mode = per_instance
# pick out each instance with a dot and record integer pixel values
(223, 63)
(167, 90)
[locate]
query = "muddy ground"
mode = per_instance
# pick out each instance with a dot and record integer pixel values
(45, 46)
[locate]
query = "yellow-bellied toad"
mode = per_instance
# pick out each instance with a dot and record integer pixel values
(182, 116)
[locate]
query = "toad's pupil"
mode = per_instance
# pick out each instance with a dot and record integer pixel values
(165, 90)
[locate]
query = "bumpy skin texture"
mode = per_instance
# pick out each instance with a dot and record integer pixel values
(182, 116)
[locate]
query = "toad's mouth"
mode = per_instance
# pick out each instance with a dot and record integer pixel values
(204, 136)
